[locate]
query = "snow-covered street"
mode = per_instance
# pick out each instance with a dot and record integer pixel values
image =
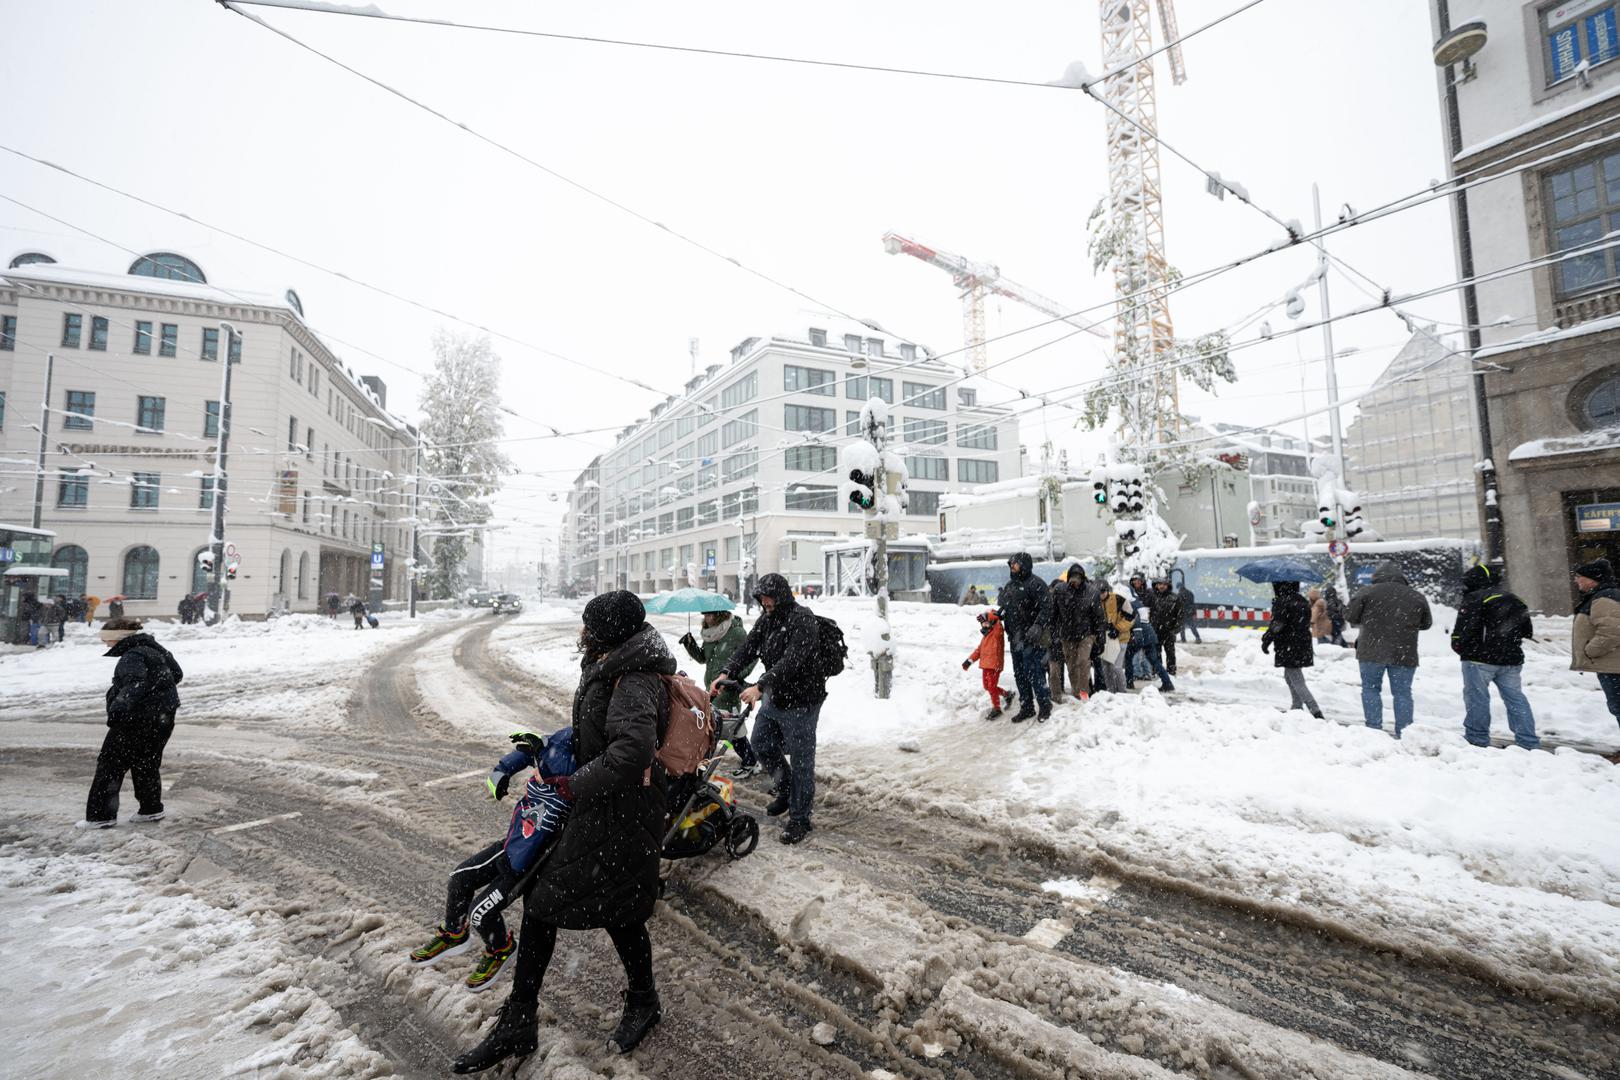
(1144, 886)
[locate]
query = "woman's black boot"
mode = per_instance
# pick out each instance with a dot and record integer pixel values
(515, 1035)
(641, 1013)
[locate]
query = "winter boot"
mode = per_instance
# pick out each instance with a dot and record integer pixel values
(515, 1035)
(156, 815)
(1025, 711)
(641, 1012)
(1318, 714)
(778, 806)
(445, 943)
(796, 831)
(1045, 712)
(490, 964)
(993, 714)
(1166, 687)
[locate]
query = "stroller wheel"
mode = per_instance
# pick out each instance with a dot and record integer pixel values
(742, 837)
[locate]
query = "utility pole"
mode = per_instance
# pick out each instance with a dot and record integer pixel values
(216, 580)
(44, 428)
(882, 662)
(416, 523)
(1327, 339)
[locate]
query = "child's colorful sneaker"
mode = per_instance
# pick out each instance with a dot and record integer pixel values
(490, 964)
(445, 943)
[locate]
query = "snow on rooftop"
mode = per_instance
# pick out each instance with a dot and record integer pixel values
(105, 279)
(1549, 335)
(1584, 443)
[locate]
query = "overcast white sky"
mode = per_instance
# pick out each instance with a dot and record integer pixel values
(795, 171)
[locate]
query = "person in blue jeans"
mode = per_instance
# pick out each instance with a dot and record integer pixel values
(1026, 613)
(1391, 614)
(1491, 625)
(1145, 644)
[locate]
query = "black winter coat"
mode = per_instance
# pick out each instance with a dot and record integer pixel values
(787, 640)
(1024, 607)
(1491, 624)
(603, 871)
(1290, 629)
(1165, 612)
(1076, 613)
(1189, 605)
(143, 684)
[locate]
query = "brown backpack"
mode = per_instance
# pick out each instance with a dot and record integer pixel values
(686, 731)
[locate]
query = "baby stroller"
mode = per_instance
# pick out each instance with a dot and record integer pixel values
(707, 811)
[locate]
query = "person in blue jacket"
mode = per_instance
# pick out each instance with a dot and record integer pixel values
(536, 819)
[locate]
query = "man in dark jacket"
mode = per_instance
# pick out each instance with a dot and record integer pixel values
(1491, 624)
(141, 703)
(1166, 619)
(28, 610)
(787, 639)
(1077, 621)
(1025, 610)
(1189, 613)
(1290, 632)
(1390, 614)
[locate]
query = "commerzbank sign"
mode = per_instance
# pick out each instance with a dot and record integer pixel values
(136, 450)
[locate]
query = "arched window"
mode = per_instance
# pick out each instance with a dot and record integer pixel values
(141, 573)
(166, 264)
(1602, 404)
(303, 576)
(29, 258)
(284, 576)
(199, 573)
(72, 558)
(295, 303)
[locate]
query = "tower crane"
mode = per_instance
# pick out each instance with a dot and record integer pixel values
(1143, 333)
(978, 280)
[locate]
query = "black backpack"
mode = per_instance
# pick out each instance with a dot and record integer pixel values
(830, 648)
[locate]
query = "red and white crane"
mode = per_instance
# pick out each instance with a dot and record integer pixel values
(978, 280)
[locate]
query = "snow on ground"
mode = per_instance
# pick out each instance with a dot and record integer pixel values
(134, 977)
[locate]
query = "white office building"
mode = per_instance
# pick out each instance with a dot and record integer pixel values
(740, 474)
(315, 493)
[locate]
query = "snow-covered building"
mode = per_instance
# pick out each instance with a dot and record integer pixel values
(739, 474)
(132, 420)
(581, 536)
(1411, 450)
(1281, 489)
(1531, 102)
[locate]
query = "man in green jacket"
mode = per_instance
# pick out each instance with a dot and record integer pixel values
(722, 634)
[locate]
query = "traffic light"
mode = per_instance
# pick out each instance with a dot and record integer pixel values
(865, 493)
(1099, 487)
(1133, 488)
(230, 571)
(1326, 516)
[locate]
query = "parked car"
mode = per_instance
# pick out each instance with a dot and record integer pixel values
(507, 603)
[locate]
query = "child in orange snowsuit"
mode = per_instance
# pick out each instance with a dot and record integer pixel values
(991, 655)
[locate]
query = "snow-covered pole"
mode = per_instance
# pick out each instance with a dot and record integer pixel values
(416, 522)
(883, 660)
(1327, 339)
(216, 579)
(44, 438)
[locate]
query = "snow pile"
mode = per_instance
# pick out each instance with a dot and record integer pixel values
(134, 980)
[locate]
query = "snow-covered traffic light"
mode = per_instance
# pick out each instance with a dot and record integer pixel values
(1326, 517)
(864, 494)
(1099, 487)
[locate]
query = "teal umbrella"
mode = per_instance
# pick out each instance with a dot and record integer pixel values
(687, 601)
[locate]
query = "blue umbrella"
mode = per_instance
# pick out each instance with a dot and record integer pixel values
(1279, 569)
(687, 601)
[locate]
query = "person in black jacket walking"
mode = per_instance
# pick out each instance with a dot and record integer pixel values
(787, 639)
(602, 872)
(1025, 610)
(141, 703)
(1077, 623)
(1166, 619)
(1189, 613)
(1290, 633)
(1491, 624)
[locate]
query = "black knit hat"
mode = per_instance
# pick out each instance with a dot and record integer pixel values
(1597, 570)
(1478, 576)
(614, 616)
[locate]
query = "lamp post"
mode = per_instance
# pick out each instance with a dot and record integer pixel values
(216, 580)
(44, 427)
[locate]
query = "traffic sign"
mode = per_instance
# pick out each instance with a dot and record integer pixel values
(708, 558)
(376, 554)
(1338, 548)
(230, 551)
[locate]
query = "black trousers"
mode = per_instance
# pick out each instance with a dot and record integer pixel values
(538, 939)
(134, 748)
(1168, 643)
(487, 868)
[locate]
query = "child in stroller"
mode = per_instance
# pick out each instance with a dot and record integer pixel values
(536, 819)
(705, 807)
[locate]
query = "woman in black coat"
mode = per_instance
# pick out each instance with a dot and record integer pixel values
(603, 870)
(141, 703)
(1290, 633)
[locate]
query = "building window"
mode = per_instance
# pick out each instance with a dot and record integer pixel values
(861, 387)
(852, 344)
(708, 445)
(143, 491)
(852, 423)
(874, 346)
(292, 434)
(818, 337)
(966, 395)
(149, 414)
(708, 512)
(683, 519)
(1585, 202)
(928, 468)
(72, 326)
(305, 503)
(1575, 33)
(295, 365)
(666, 524)
(708, 477)
(73, 559)
(169, 339)
(737, 466)
(141, 573)
(925, 432)
(974, 471)
(205, 493)
(80, 406)
(2, 410)
(744, 389)
(309, 444)
(98, 333)
(143, 338)
(210, 343)
(707, 412)
(809, 418)
(210, 419)
(808, 380)
(684, 425)
(71, 488)
(976, 436)
(908, 351)
(744, 427)
(166, 264)
(236, 348)
(923, 396)
(811, 497)
(733, 548)
(924, 503)
(303, 576)
(666, 437)
(8, 332)
(810, 459)
(1601, 409)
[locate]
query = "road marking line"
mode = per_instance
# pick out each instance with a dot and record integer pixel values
(255, 824)
(1049, 932)
(452, 779)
